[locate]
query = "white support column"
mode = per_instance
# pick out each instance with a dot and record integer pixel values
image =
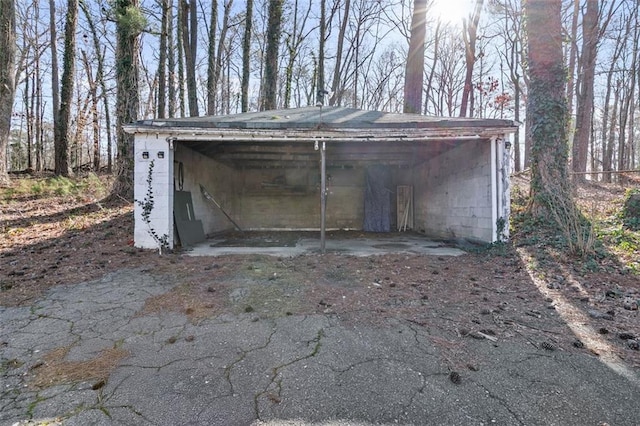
(153, 152)
(494, 190)
(323, 197)
(505, 210)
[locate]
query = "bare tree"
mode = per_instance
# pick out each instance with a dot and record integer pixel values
(55, 80)
(7, 79)
(470, 36)
(100, 80)
(62, 163)
(189, 32)
(434, 61)
(271, 57)
(591, 32)
(547, 109)
(321, 51)
(510, 52)
(129, 24)
(211, 60)
(95, 122)
(294, 39)
(413, 81)
(573, 54)
(336, 89)
(246, 53)
(162, 61)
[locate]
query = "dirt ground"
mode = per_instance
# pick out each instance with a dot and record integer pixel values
(510, 291)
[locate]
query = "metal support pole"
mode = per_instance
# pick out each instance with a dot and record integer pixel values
(323, 197)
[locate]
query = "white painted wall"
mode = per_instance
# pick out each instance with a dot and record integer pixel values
(161, 218)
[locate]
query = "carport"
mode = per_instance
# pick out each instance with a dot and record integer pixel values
(320, 169)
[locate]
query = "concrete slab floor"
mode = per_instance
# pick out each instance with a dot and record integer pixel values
(292, 243)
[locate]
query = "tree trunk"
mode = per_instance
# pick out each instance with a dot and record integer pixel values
(38, 112)
(470, 36)
(547, 109)
(320, 92)
(61, 144)
(93, 87)
(293, 43)
(7, 79)
(179, 43)
(584, 113)
(246, 56)
(99, 52)
(129, 24)
(414, 73)
(162, 62)
(270, 82)
(189, 25)
(171, 60)
(573, 53)
(608, 159)
(55, 79)
(336, 88)
(29, 96)
(432, 71)
(217, 70)
(211, 60)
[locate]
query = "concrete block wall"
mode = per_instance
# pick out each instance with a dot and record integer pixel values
(275, 198)
(158, 151)
(296, 204)
(453, 193)
(220, 181)
(270, 198)
(345, 199)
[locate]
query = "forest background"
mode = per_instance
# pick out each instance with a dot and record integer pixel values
(215, 57)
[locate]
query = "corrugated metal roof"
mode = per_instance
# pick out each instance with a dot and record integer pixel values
(321, 118)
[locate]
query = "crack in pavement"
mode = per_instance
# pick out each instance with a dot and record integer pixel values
(502, 402)
(276, 371)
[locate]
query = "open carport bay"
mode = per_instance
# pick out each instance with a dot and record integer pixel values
(445, 178)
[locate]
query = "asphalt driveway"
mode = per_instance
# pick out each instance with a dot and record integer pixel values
(161, 368)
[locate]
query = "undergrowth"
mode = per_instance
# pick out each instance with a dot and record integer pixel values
(610, 240)
(57, 186)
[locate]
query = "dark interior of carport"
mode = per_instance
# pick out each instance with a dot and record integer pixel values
(372, 184)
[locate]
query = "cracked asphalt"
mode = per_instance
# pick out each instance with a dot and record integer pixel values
(291, 370)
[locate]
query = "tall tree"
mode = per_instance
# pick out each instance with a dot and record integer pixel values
(547, 109)
(270, 82)
(161, 111)
(221, 52)
(211, 60)
(61, 143)
(470, 37)
(246, 56)
(55, 79)
(591, 32)
(336, 89)
(129, 24)
(294, 39)
(415, 60)
(584, 97)
(171, 61)
(7, 79)
(100, 79)
(320, 68)
(189, 24)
